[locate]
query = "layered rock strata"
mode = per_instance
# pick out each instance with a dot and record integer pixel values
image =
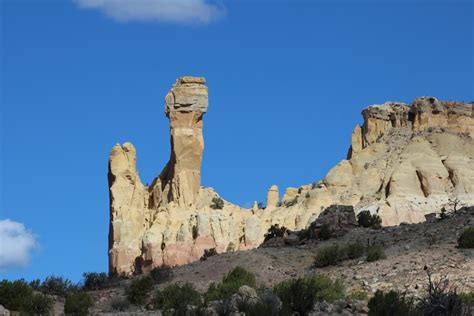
(405, 161)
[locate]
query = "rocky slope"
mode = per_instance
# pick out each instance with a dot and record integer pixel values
(405, 161)
(409, 248)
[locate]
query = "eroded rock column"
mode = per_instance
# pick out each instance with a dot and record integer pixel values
(180, 180)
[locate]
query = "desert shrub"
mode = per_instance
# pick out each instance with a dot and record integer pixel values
(40, 304)
(466, 298)
(325, 232)
(177, 297)
(230, 247)
(275, 231)
(208, 253)
(94, 281)
(391, 304)
(365, 219)
(299, 295)
(359, 296)
(354, 250)
(217, 203)
(375, 253)
(59, 286)
(258, 309)
(161, 274)
(120, 304)
(440, 299)
(230, 284)
(328, 256)
(137, 292)
(466, 239)
(15, 294)
(35, 284)
(77, 303)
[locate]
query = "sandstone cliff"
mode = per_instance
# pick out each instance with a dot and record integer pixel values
(404, 161)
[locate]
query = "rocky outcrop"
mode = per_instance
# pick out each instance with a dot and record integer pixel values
(180, 180)
(404, 162)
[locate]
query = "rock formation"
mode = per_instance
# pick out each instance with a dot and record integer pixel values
(404, 161)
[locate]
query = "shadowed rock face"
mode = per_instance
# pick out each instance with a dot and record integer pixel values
(405, 161)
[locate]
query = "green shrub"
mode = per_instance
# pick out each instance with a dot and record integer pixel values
(137, 292)
(375, 253)
(359, 296)
(354, 250)
(161, 274)
(275, 231)
(40, 304)
(466, 240)
(59, 286)
(217, 203)
(328, 256)
(208, 253)
(299, 295)
(177, 297)
(77, 303)
(391, 304)
(15, 294)
(35, 284)
(466, 298)
(365, 219)
(325, 232)
(230, 284)
(95, 281)
(120, 304)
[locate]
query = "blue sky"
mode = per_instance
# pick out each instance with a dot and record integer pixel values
(287, 82)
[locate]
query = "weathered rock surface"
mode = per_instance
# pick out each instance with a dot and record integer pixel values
(405, 161)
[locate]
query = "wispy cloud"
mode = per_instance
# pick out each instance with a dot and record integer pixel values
(173, 11)
(16, 244)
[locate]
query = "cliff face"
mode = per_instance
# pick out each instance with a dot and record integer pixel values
(404, 161)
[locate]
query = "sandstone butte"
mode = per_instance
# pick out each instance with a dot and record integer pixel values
(405, 161)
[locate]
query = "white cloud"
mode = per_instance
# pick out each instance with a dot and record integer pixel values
(174, 11)
(16, 244)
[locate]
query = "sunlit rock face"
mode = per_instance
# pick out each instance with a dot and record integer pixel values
(405, 160)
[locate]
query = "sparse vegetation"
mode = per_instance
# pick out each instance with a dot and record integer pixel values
(94, 281)
(217, 203)
(230, 284)
(276, 231)
(161, 274)
(354, 250)
(359, 296)
(441, 298)
(139, 289)
(299, 295)
(230, 247)
(466, 239)
(14, 295)
(365, 219)
(325, 232)
(177, 297)
(391, 303)
(332, 255)
(375, 253)
(208, 253)
(120, 304)
(54, 285)
(77, 303)
(328, 256)
(40, 304)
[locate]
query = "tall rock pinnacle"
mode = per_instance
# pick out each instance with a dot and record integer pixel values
(180, 180)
